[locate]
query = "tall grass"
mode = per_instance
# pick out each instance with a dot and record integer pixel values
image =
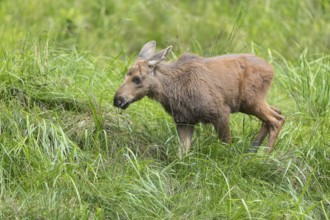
(308, 83)
(66, 153)
(108, 27)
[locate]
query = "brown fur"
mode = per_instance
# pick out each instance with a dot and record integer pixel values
(195, 89)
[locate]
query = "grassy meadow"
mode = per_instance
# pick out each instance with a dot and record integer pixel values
(67, 153)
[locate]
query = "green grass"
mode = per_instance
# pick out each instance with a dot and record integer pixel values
(67, 153)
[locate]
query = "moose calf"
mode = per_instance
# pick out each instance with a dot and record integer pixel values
(195, 89)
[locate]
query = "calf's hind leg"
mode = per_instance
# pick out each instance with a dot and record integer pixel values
(272, 123)
(264, 130)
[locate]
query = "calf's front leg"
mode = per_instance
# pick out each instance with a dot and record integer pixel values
(221, 125)
(185, 133)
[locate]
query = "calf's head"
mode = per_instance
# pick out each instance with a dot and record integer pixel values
(140, 79)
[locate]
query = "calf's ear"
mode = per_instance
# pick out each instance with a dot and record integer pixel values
(161, 55)
(148, 50)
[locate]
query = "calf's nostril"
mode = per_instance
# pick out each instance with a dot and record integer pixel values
(117, 102)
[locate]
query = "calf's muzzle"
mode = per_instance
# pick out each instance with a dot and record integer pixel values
(121, 102)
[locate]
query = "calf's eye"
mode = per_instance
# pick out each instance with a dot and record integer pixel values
(137, 80)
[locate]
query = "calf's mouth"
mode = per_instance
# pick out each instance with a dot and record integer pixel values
(121, 102)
